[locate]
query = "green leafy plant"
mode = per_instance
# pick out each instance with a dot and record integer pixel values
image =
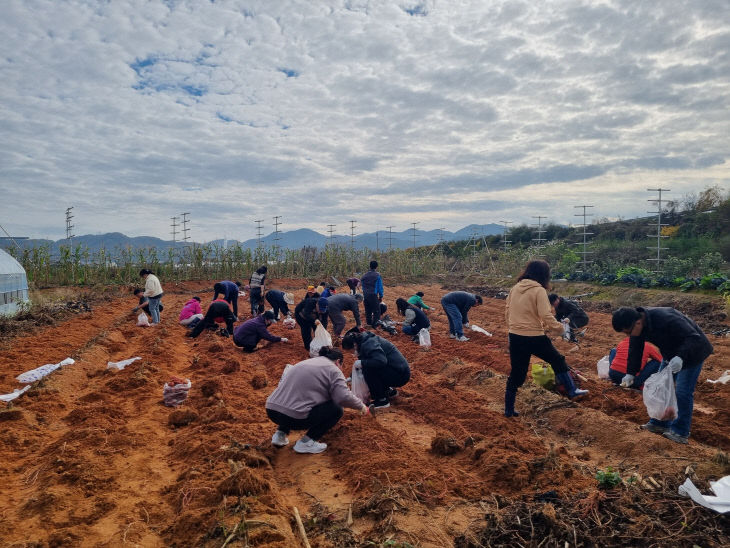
(608, 478)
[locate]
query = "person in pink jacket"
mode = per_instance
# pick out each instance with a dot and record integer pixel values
(190, 312)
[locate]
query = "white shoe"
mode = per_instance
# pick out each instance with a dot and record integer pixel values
(279, 439)
(452, 336)
(310, 446)
(462, 339)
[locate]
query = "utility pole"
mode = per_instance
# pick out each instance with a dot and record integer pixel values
(259, 229)
(505, 241)
(584, 262)
(185, 229)
(174, 226)
(539, 245)
(413, 229)
(390, 237)
(659, 225)
(69, 226)
(331, 231)
(352, 234)
(277, 222)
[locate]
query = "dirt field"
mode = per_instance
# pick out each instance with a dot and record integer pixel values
(91, 457)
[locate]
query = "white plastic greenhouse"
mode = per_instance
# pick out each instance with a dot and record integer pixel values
(13, 284)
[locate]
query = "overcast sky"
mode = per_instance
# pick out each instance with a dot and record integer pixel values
(439, 112)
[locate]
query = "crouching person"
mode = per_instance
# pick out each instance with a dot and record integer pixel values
(310, 396)
(383, 366)
(249, 333)
(219, 311)
(651, 359)
(191, 312)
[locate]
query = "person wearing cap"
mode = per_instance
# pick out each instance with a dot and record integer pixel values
(229, 291)
(249, 333)
(279, 301)
(311, 292)
(337, 304)
(417, 300)
(219, 311)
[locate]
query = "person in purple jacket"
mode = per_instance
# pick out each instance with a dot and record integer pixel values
(249, 333)
(229, 290)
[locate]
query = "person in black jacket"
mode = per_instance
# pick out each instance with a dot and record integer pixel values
(218, 311)
(678, 338)
(567, 311)
(372, 292)
(383, 366)
(415, 318)
(305, 314)
(279, 301)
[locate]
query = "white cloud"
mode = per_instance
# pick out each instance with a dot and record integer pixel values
(445, 113)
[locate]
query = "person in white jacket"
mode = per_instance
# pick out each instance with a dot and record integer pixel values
(153, 292)
(310, 396)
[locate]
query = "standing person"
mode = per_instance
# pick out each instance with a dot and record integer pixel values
(415, 318)
(383, 366)
(305, 315)
(353, 283)
(257, 287)
(144, 302)
(249, 333)
(279, 301)
(567, 311)
(310, 396)
(529, 316)
(190, 312)
(372, 292)
(229, 291)
(218, 312)
(417, 300)
(322, 304)
(337, 304)
(618, 358)
(457, 305)
(677, 336)
(153, 292)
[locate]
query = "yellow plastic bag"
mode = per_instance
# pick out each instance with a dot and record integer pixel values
(543, 375)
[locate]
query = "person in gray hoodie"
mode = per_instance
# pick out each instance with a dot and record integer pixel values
(337, 304)
(383, 366)
(310, 396)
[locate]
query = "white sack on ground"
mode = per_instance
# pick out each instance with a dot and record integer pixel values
(122, 364)
(39, 372)
(719, 503)
(14, 394)
(481, 330)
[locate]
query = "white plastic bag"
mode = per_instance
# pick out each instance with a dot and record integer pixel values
(481, 330)
(424, 338)
(118, 366)
(289, 322)
(142, 320)
(174, 394)
(359, 386)
(603, 367)
(660, 397)
(321, 338)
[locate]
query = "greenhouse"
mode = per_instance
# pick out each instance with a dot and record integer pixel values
(13, 284)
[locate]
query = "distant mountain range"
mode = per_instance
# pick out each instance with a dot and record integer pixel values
(293, 239)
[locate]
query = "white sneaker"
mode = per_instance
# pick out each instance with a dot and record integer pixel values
(462, 339)
(452, 336)
(310, 446)
(279, 439)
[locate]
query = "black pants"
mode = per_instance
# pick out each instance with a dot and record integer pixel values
(372, 309)
(307, 328)
(215, 310)
(379, 379)
(321, 418)
(257, 303)
(521, 348)
(323, 319)
(277, 306)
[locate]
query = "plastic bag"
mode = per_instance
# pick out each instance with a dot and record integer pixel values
(603, 367)
(321, 338)
(142, 320)
(660, 397)
(175, 391)
(481, 330)
(424, 338)
(118, 366)
(543, 375)
(289, 322)
(359, 386)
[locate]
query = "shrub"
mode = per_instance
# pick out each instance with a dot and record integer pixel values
(608, 478)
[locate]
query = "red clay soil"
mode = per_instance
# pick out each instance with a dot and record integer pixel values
(91, 457)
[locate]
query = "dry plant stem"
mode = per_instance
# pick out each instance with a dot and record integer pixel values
(300, 525)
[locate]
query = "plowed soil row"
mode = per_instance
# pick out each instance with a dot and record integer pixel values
(91, 457)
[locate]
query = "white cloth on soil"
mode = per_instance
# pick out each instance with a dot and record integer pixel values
(39, 372)
(481, 330)
(14, 394)
(122, 364)
(723, 378)
(719, 503)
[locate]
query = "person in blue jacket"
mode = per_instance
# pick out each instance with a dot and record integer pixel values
(229, 291)
(678, 338)
(372, 292)
(327, 292)
(457, 305)
(249, 333)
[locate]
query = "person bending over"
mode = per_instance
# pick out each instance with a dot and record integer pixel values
(249, 333)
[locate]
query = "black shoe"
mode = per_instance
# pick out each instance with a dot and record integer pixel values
(392, 393)
(382, 403)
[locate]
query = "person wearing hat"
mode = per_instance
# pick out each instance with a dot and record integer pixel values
(249, 333)
(311, 292)
(279, 301)
(229, 291)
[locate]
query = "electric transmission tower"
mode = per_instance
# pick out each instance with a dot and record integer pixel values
(584, 262)
(69, 226)
(277, 248)
(259, 232)
(505, 229)
(539, 242)
(352, 234)
(659, 225)
(174, 230)
(390, 237)
(331, 231)
(185, 229)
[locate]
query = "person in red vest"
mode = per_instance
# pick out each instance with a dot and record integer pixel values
(651, 359)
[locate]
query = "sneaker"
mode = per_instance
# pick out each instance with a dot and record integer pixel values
(676, 437)
(392, 393)
(462, 339)
(452, 336)
(382, 403)
(311, 446)
(654, 428)
(279, 439)
(578, 393)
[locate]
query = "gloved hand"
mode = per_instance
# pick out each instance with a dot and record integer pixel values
(627, 381)
(364, 410)
(284, 339)
(135, 309)
(357, 364)
(675, 364)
